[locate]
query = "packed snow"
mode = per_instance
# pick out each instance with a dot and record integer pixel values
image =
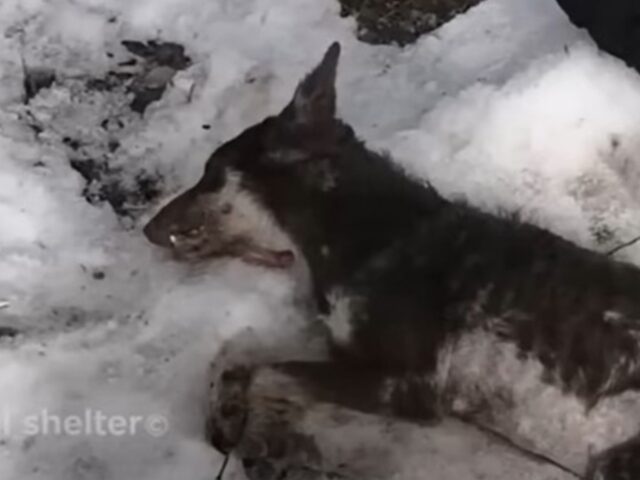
(508, 106)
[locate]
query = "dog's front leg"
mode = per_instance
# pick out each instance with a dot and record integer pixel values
(301, 421)
(280, 419)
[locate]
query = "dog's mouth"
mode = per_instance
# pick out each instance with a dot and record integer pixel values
(192, 250)
(280, 259)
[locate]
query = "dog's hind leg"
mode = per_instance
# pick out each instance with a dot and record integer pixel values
(621, 462)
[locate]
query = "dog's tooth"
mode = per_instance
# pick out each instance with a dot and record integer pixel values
(173, 239)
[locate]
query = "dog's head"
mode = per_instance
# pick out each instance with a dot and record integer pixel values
(280, 161)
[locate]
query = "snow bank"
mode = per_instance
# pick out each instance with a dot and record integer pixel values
(557, 143)
(491, 107)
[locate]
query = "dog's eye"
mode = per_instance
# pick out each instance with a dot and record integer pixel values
(190, 233)
(194, 232)
(226, 209)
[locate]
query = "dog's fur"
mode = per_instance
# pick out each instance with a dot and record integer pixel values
(433, 307)
(614, 25)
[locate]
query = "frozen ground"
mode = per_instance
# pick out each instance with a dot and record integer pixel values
(508, 105)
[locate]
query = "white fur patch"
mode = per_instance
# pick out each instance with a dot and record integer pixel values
(249, 219)
(480, 372)
(339, 320)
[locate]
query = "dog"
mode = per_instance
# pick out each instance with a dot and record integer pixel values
(432, 308)
(613, 25)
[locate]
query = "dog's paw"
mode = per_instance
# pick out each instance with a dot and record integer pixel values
(283, 455)
(228, 408)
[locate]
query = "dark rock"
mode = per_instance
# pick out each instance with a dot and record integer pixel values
(401, 21)
(98, 275)
(145, 97)
(162, 53)
(137, 48)
(148, 187)
(73, 144)
(35, 128)
(162, 60)
(88, 168)
(121, 76)
(36, 79)
(113, 145)
(110, 82)
(8, 332)
(613, 24)
(99, 84)
(128, 63)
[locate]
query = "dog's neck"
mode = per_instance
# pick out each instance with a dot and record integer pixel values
(368, 205)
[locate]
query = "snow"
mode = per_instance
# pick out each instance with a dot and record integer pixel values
(508, 105)
(565, 129)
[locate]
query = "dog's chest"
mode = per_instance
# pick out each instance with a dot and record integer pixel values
(483, 377)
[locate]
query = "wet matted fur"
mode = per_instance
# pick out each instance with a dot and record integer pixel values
(435, 307)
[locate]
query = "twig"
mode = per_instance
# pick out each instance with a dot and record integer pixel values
(510, 443)
(623, 246)
(225, 462)
(25, 81)
(192, 89)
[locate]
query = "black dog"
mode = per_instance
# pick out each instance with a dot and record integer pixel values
(613, 24)
(433, 307)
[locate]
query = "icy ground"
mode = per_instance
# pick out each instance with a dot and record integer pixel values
(508, 105)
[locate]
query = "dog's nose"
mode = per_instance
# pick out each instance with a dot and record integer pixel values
(156, 234)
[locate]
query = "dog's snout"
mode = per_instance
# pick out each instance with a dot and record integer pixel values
(156, 234)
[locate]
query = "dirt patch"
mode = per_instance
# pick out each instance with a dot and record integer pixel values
(91, 115)
(401, 21)
(162, 61)
(35, 80)
(105, 184)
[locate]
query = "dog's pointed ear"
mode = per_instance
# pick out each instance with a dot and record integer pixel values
(315, 99)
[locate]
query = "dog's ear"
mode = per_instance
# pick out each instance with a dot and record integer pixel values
(315, 99)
